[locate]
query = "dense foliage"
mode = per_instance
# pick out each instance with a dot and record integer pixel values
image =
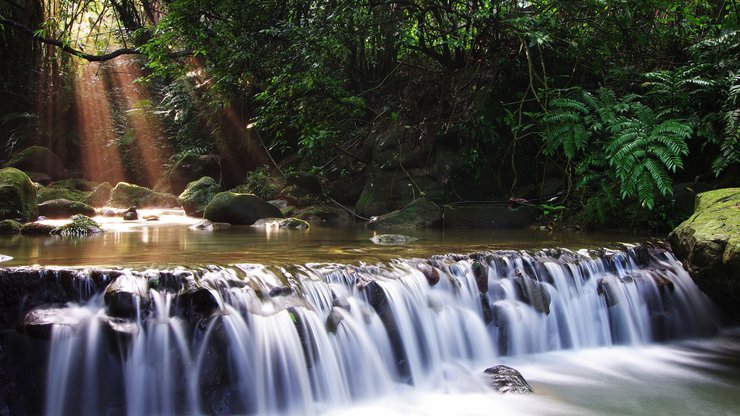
(620, 99)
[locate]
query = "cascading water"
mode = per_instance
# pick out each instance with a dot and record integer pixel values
(305, 340)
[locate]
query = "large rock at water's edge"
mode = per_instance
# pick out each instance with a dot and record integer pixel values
(708, 244)
(506, 380)
(17, 196)
(243, 209)
(38, 159)
(99, 196)
(125, 195)
(64, 208)
(197, 195)
(420, 213)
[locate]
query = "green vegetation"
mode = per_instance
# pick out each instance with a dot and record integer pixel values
(615, 102)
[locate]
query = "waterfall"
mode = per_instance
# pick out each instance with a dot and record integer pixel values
(303, 339)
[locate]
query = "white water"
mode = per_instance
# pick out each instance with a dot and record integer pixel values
(378, 338)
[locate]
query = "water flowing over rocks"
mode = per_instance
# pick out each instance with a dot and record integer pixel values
(506, 380)
(254, 339)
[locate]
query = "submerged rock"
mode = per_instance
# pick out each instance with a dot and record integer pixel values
(708, 244)
(392, 239)
(197, 195)
(17, 196)
(244, 209)
(131, 214)
(64, 208)
(421, 213)
(206, 225)
(506, 380)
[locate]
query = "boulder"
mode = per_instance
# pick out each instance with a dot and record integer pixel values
(197, 195)
(39, 323)
(99, 196)
(38, 159)
(10, 227)
(127, 296)
(708, 244)
(17, 196)
(244, 209)
(131, 214)
(506, 380)
(324, 214)
(64, 208)
(125, 195)
(40, 178)
(420, 213)
(533, 292)
(55, 191)
(37, 228)
(80, 225)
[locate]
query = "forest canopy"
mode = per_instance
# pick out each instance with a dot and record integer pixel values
(622, 102)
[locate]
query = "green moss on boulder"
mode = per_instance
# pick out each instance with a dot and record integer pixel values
(38, 159)
(64, 208)
(10, 227)
(235, 208)
(37, 228)
(125, 195)
(99, 196)
(197, 195)
(48, 193)
(17, 195)
(80, 225)
(708, 244)
(420, 213)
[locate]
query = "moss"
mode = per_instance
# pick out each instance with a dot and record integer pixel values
(77, 183)
(37, 228)
(420, 213)
(10, 227)
(64, 208)
(17, 195)
(38, 159)
(48, 193)
(197, 195)
(99, 196)
(125, 195)
(80, 225)
(707, 199)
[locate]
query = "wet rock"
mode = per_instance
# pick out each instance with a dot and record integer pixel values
(333, 321)
(236, 208)
(430, 272)
(99, 196)
(37, 228)
(119, 334)
(708, 244)
(392, 239)
(480, 271)
(40, 178)
(506, 380)
(150, 218)
(38, 159)
(39, 322)
(533, 292)
(421, 213)
(206, 225)
(131, 214)
(125, 195)
(289, 223)
(10, 227)
(324, 214)
(281, 291)
(608, 288)
(197, 195)
(197, 303)
(339, 301)
(486, 310)
(64, 208)
(126, 296)
(17, 196)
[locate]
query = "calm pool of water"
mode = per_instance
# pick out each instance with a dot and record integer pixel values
(169, 241)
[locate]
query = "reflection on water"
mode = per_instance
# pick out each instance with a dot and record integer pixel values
(169, 241)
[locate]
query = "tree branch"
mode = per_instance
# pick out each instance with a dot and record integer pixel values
(86, 56)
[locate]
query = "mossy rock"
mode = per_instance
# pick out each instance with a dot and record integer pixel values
(37, 228)
(10, 227)
(197, 195)
(99, 196)
(76, 183)
(17, 196)
(708, 244)
(125, 195)
(243, 209)
(420, 213)
(324, 214)
(64, 208)
(48, 193)
(80, 225)
(38, 159)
